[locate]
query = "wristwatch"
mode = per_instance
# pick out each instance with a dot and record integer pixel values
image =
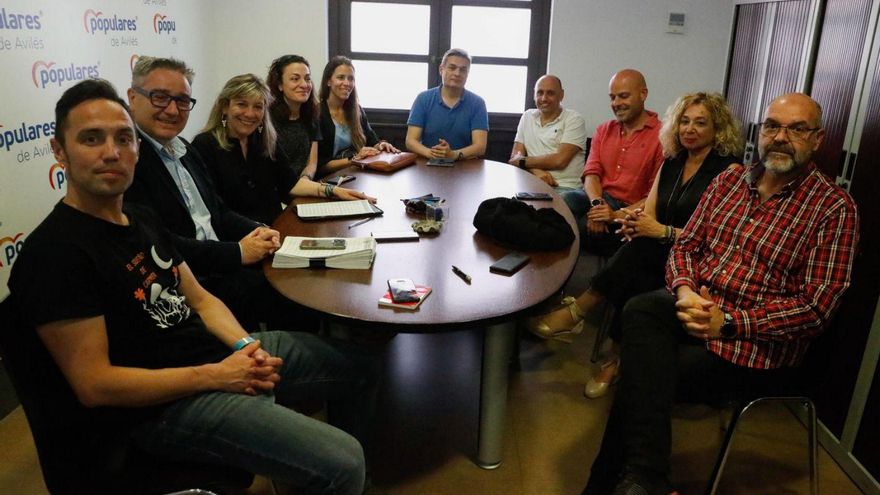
(728, 331)
(597, 202)
(522, 162)
(460, 156)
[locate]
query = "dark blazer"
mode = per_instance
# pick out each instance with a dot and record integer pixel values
(328, 137)
(153, 187)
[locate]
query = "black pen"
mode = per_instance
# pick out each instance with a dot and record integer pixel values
(361, 222)
(464, 276)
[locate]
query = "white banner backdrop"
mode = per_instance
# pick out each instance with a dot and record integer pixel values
(47, 46)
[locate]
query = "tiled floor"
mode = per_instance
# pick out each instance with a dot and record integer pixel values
(427, 431)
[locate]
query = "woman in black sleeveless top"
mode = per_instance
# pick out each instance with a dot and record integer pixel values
(700, 139)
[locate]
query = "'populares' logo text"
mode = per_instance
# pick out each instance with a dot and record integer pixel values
(11, 20)
(97, 22)
(45, 73)
(25, 133)
(162, 24)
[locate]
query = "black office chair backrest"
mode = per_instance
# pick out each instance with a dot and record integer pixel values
(84, 450)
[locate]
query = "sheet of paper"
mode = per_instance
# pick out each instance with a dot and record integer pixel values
(334, 209)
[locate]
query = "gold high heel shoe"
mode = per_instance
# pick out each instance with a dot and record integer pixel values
(540, 328)
(594, 388)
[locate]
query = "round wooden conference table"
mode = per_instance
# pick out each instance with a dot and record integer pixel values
(491, 301)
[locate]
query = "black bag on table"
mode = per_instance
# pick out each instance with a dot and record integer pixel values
(522, 226)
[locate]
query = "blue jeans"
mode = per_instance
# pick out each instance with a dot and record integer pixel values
(579, 204)
(260, 435)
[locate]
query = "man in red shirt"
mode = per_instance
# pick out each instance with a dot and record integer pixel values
(625, 155)
(756, 275)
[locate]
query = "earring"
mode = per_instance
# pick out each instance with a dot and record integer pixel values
(260, 128)
(223, 121)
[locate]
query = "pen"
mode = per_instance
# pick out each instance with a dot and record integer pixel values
(464, 276)
(359, 222)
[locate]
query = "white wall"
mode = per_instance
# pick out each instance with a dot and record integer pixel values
(592, 39)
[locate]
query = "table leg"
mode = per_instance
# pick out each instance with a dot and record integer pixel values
(497, 342)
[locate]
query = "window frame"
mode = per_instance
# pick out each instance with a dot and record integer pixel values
(439, 40)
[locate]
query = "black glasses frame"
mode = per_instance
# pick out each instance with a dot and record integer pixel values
(161, 99)
(799, 134)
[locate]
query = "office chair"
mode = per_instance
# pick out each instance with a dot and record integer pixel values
(738, 413)
(798, 388)
(85, 450)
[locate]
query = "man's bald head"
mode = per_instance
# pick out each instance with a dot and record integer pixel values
(548, 95)
(631, 77)
(801, 103)
(549, 79)
(628, 92)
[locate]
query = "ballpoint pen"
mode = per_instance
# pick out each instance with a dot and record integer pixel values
(359, 222)
(464, 276)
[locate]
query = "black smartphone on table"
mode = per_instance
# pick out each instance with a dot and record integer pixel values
(441, 162)
(509, 264)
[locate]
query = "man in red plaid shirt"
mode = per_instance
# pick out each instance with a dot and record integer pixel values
(755, 275)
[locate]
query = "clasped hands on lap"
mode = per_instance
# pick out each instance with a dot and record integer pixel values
(259, 243)
(250, 370)
(698, 313)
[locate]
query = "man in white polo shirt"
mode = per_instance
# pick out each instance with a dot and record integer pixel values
(550, 140)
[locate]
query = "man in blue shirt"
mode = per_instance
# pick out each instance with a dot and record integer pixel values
(449, 121)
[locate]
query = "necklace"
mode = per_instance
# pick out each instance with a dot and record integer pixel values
(669, 213)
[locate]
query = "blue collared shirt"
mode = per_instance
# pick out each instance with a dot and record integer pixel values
(455, 124)
(198, 211)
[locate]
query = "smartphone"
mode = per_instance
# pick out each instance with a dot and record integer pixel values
(533, 196)
(402, 290)
(441, 162)
(509, 264)
(322, 244)
(342, 179)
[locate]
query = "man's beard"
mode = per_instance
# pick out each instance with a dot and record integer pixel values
(784, 160)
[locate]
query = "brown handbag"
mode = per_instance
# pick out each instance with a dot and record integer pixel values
(386, 161)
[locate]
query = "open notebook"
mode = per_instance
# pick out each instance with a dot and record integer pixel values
(336, 209)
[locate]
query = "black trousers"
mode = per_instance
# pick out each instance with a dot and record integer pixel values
(661, 363)
(638, 266)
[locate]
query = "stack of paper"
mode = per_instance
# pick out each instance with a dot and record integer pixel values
(359, 253)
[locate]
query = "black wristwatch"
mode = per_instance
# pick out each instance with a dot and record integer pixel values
(522, 162)
(460, 156)
(728, 331)
(597, 202)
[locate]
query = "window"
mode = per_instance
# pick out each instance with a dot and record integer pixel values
(397, 45)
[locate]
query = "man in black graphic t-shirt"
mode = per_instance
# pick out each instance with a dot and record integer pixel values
(130, 327)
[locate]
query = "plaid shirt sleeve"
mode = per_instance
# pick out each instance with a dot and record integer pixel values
(826, 275)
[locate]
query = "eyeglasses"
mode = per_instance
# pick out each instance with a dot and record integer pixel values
(797, 132)
(160, 99)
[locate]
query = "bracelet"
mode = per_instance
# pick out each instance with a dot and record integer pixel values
(243, 342)
(668, 235)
